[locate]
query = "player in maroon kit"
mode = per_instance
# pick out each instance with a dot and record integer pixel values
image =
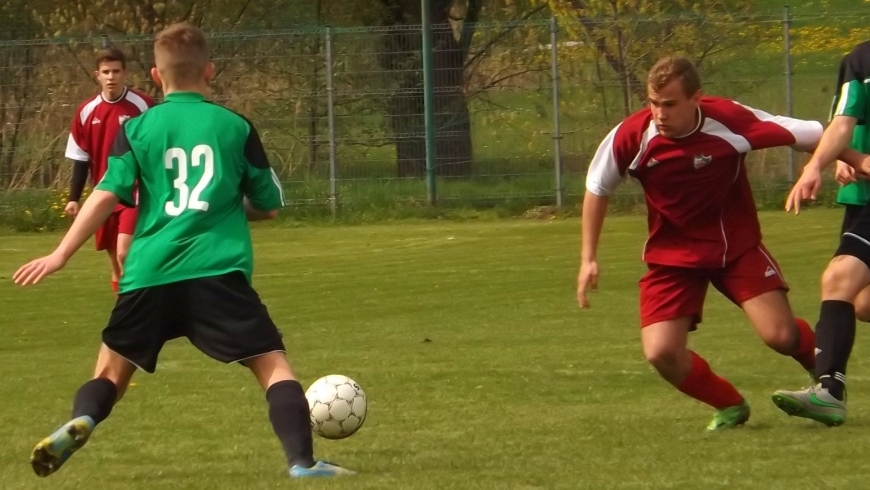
(91, 136)
(687, 151)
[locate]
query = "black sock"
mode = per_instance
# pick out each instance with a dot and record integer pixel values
(95, 399)
(291, 420)
(835, 335)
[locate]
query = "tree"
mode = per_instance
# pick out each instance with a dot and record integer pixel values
(629, 35)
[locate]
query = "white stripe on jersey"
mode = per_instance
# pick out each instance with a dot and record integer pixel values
(88, 109)
(715, 128)
(844, 99)
(74, 151)
(651, 132)
(138, 101)
(278, 185)
(806, 133)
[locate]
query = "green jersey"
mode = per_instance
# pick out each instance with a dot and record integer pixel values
(853, 100)
(193, 163)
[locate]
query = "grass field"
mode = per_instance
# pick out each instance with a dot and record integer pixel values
(515, 388)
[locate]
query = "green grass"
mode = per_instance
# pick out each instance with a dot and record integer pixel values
(517, 389)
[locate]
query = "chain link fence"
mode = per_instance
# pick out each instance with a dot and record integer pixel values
(518, 108)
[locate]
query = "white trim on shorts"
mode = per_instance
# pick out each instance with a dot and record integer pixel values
(258, 355)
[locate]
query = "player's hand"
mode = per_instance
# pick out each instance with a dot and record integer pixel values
(806, 188)
(34, 271)
(587, 280)
(845, 174)
(71, 209)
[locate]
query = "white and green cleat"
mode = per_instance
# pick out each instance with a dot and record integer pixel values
(814, 403)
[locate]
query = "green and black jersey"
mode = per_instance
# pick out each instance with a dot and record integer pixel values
(193, 162)
(853, 100)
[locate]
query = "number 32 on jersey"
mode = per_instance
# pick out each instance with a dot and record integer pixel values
(177, 159)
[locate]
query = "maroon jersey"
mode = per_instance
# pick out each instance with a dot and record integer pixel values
(95, 124)
(700, 205)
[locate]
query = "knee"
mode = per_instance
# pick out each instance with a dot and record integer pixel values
(782, 338)
(663, 357)
(837, 282)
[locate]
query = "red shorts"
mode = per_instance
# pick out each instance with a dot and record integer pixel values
(119, 222)
(668, 292)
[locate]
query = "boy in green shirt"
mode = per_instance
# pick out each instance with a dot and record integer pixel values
(202, 174)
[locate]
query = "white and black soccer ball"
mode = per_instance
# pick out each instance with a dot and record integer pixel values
(338, 406)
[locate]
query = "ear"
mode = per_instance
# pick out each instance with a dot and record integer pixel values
(155, 75)
(696, 97)
(209, 71)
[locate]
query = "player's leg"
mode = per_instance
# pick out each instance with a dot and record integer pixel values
(137, 329)
(862, 305)
(106, 238)
(862, 301)
(229, 323)
(126, 228)
(671, 305)
(846, 276)
(754, 282)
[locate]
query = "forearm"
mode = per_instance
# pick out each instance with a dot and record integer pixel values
(254, 214)
(77, 183)
(594, 210)
(835, 141)
(94, 213)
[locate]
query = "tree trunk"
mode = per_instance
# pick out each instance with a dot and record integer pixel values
(402, 57)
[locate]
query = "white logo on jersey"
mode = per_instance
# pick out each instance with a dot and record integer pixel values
(703, 160)
(652, 163)
(95, 120)
(769, 272)
(123, 118)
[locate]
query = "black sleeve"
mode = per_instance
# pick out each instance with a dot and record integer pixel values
(254, 151)
(79, 177)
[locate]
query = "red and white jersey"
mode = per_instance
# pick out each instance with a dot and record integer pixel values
(701, 210)
(95, 125)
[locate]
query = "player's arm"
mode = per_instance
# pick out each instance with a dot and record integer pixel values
(79, 178)
(264, 195)
(835, 141)
(77, 151)
(254, 214)
(94, 213)
(605, 174)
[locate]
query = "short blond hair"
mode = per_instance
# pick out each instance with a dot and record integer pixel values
(181, 52)
(667, 69)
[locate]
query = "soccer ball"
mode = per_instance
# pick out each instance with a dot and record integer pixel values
(337, 405)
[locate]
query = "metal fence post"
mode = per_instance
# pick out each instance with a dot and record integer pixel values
(557, 131)
(786, 33)
(428, 98)
(105, 41)
(330, 107)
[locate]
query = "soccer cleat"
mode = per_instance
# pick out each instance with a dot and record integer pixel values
(730, 417)
(814, 403)
(319, 470)
(53, 451)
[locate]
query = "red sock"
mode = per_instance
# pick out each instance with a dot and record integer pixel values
(705, 386)
(115, 286)
(806, 353)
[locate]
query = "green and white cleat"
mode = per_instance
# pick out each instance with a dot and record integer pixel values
(53, 451)
(730, 417)
(814, 403)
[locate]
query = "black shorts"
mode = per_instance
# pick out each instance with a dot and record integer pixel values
(222, 316)
(856, 239)
(850, 216)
